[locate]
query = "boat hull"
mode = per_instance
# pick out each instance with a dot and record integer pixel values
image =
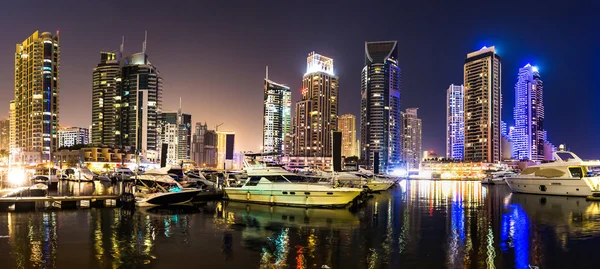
(168, 198)
(550, 186)
(303, 198)
(378, 186)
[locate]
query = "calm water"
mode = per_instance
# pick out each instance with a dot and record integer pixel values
(420, 224)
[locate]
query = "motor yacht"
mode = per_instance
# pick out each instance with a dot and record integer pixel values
(498, 178)
(157, 188)
(568, 175)
(276, 186)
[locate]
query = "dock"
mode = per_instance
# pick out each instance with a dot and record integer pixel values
(63, 202)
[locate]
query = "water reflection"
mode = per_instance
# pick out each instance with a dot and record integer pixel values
(420, 224)
(74, 188)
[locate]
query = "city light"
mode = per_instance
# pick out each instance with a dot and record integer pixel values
(17, 176)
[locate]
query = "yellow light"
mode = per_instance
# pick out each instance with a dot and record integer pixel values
(16, 176)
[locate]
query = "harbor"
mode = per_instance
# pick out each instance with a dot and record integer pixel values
(424, 224)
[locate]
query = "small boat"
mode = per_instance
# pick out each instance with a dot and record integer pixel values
(157, 188)
(569, 175)
(498, 178)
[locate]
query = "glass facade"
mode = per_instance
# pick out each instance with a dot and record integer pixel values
(528, 136)
(276, 116)
(140, 89)
(106, 100)
(316, 114)
(482, 104)
(380, 120)
(455, 122)
(37, 94)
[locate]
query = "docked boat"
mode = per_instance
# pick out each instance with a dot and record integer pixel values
(157, 188)
(568, 175)
(81, 174)
(276, 186)
(45, 176)
(498, 178)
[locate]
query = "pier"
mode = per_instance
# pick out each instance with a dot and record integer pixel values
(63, 202)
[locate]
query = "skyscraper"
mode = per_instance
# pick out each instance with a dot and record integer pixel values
(175, 131)
(106, 100)
(13, 126)
(141, 102)
(37, 94)
(5, 135)
(316, 114)
(528, 135)
(411, 138)
(225, 149)
(204, 146)
(347, 125)
(277, 117)
(455, 122)
(482, 93)
(380, 104)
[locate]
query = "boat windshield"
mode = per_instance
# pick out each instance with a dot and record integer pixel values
(593, 171)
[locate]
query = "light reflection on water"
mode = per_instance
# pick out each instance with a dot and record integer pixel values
(419, 224)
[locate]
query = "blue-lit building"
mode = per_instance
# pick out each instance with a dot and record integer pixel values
(380, 118)
(455, 122)
(528, 137)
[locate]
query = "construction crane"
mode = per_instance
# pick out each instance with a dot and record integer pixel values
(217, 127)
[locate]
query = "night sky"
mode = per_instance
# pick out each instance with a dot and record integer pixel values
(213, 54)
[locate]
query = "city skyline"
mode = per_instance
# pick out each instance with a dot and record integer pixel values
(78, 52)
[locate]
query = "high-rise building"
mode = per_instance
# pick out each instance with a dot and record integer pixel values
(175, 131)
(13, 126)
(380, 105)
(106, 99)
(411, 138)
(347, 125)
(316, 114)
(482, 104)
(204, 146)
(141, 102)
(71, 136)
(5, 135)
(528, 134)
(225, 149)
(455, 122)
(506, 142)
(37, 94)
(277, 117)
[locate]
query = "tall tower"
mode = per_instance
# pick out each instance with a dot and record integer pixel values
(277, 116)
(13, 126)
(106, 99)
(141, 102)
(316, 114)
(37, 94)
(455, 122)
(411, 136)
(482, 88)
(380, 105)
(347, 126)
(528, 135)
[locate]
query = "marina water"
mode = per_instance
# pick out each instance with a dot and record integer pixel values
(418, 224)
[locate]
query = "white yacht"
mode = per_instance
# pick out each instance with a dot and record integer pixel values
(568, 175)
(157, 188)
(276, 186)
